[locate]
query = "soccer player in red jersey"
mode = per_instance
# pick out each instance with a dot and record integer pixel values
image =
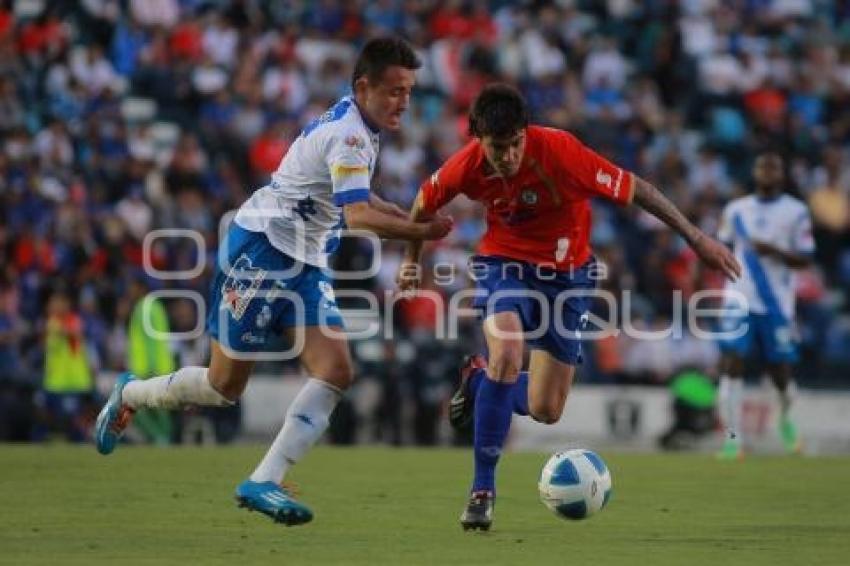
(536, 184)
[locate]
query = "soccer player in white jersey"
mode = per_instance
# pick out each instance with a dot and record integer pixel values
(771, 234)
(271, 276)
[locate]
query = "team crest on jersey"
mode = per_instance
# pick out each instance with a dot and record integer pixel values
(243, 281)
(529, 197)
(355, 142)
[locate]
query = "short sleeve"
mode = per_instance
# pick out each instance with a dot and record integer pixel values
(803, 241)
(349, 157)
(446, 183)
(591, 172)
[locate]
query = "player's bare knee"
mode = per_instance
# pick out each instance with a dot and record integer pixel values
(505, 365)
(506, 360)
(547, 416)
(338, 374)
(545, 412)
(230, 389)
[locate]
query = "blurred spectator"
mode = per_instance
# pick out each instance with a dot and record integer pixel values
(68, 382)
(830, 207)
(403, 160)
(91, 69)
(267, 150)
(11, 328)
(151, 13)
(149, 355)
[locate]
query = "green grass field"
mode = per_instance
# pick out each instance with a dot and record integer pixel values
(67, 505)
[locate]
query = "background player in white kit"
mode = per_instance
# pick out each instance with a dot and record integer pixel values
(275, 255)
(771, 233)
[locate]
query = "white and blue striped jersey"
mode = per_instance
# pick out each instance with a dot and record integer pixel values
(329, 165)
(768, 284)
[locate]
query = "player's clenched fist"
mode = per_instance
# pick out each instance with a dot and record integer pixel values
(438, 227)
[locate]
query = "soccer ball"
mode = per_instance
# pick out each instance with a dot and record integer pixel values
(575, 484)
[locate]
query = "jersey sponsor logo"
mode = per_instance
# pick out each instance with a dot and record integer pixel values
(605, 179)
(243, 281)
(516, 210)
(305, 208)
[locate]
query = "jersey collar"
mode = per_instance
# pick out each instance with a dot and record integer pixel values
(368, 123)
(768, 200)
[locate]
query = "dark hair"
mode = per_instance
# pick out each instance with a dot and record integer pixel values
(771, 152)
(499, 111)
(380, 53)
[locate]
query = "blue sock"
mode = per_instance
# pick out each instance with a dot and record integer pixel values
(478, 375)
(520, 391)
(493, 414)
(520, 394)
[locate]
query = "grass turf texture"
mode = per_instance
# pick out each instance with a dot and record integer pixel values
(68, 505)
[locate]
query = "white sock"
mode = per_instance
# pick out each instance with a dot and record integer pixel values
(186, 386)
(306, 420)
(731, 399)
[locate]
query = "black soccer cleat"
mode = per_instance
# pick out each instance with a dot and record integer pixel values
(479, 511)
(462, 404)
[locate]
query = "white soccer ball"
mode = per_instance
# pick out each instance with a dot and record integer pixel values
(575, 484)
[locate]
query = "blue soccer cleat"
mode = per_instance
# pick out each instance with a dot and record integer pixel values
(271, 499)
(113, 418)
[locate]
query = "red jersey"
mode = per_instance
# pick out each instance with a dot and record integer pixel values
(541, 214)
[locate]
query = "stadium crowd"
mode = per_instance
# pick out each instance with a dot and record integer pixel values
(118, 117)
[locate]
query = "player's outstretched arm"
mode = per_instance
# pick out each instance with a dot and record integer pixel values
(386, 207)
(711, 252)
(363, 216)
(410, 270)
